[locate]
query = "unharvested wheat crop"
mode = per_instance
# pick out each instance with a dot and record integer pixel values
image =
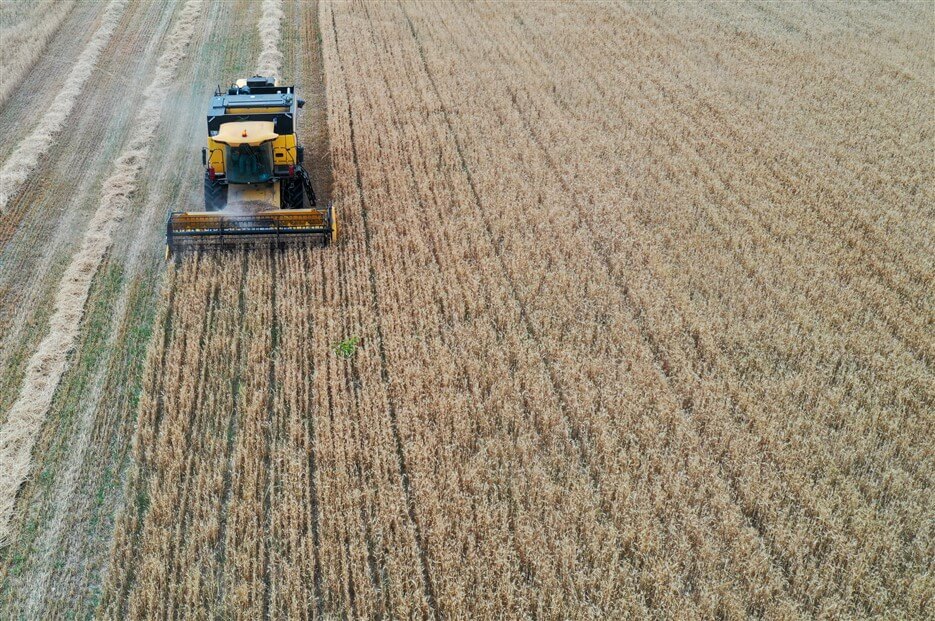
(640, 308)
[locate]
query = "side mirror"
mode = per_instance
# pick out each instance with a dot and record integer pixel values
(300, 102)
(300, 154)
(204, 156)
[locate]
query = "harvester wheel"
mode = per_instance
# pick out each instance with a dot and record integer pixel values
(215, 194)
(291, 193)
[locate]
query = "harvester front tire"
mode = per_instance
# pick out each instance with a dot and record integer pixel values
(215, 194)
(292, 194)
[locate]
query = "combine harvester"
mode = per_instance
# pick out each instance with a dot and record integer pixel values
(256, 189)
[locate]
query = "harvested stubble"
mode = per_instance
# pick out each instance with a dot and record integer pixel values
(25, 30)
(21, 162)
(646, 301)
(49, 362)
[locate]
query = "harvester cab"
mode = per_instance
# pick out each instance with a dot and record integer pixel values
(256, 188)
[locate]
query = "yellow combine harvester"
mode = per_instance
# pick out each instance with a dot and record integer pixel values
(256, 189)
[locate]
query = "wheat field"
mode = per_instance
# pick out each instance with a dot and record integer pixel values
(632, 317)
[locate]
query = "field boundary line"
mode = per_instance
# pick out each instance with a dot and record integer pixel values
(23, 160)
(50, 361)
